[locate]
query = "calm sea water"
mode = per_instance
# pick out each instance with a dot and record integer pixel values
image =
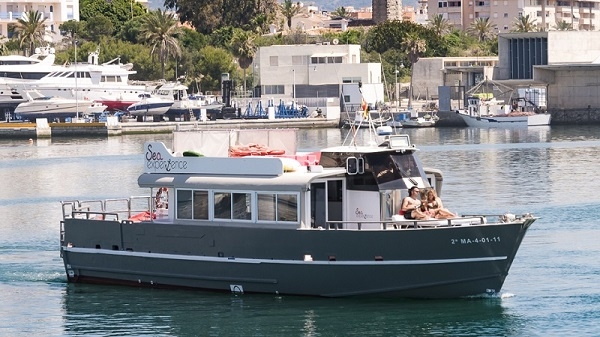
(553, 288)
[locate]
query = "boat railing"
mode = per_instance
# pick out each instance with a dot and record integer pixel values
(107, 209)
(404, 224)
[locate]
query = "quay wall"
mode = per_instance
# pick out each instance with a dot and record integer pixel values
(31, 130)
(14, 130)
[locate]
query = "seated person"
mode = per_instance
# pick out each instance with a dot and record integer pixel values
(411, 205)
(436, 207)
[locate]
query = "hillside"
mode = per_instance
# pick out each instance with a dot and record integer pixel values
(331, 5)
(327, 5)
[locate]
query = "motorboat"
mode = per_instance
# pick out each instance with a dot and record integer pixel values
(323, 223)
(495, 113)
(149, 105)
(41, 106)
(420, 122)
(185, 105)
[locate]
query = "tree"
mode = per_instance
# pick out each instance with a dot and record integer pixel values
(289, 9)
(72, 28)
(209, 15)
(160, 30)
(243, 49)
(118, 12)
(482, 28)
(214, 62)
(414, 47)
(98, 27)
(440, 25)
(340, 12)
(563, 25)
(524, 24)
(31, 30)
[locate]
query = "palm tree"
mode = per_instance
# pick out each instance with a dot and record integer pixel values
(31, 30)
(563, 25)
(524, 24)
(440, 25)
(243, 48)
(340, 12)
(289, 9)
(414, 46)
(482, 28)
(160, 29)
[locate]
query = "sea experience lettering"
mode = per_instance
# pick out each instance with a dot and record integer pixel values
(155, 161)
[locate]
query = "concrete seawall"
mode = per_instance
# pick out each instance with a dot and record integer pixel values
(32, 130)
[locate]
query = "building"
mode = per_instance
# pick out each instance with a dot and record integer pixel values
(582, 15)
(317, 75)
(55, 11)
(555, 70)
(386, 10)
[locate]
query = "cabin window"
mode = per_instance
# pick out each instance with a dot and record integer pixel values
(184, 204)
(278, 207)
(222, 205)
(237, 206)
(200, 205)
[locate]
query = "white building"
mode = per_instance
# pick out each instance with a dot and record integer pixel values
(317, 72)
(55, 11)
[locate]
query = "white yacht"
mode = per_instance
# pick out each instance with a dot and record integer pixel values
(18, 69)
(106, 83)
(41, 106)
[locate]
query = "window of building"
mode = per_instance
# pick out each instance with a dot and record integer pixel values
(273, 89)
(334, 59)
(273, 61)
(318, 60)
(442, 4)
(505, 15)
(299, 60)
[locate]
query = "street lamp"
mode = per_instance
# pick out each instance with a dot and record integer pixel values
(397, 90)
(294, 85)
(76, 75)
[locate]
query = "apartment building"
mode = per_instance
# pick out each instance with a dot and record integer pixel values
(582, 15)
(54, 11)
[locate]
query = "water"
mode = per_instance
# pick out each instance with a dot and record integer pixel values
(552, 288)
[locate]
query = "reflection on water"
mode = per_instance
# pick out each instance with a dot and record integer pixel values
(101, 310)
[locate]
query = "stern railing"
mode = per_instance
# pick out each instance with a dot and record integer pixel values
(107, 209)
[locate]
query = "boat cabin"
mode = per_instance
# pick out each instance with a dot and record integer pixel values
(345, 187)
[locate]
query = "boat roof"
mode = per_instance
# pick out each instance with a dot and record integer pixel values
(290, 181)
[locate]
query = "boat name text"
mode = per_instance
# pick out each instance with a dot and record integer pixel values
(155, 161)
(465, 241)
(362, 215)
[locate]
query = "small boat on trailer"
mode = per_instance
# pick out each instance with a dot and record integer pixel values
(317, 224)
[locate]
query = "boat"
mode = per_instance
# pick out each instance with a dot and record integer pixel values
(185, 105)
(410, 119)
(149, 105)
(41, 106)
(322, 223)
(106, 83)
(493, 113)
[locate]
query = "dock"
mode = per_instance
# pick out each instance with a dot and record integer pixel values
(95, 129)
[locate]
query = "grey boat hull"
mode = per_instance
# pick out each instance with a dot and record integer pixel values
(443, 262)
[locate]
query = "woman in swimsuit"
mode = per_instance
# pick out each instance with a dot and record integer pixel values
(436, 207)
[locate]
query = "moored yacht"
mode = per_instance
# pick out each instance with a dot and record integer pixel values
(280, 222)
(41, 106)
(149, 105)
